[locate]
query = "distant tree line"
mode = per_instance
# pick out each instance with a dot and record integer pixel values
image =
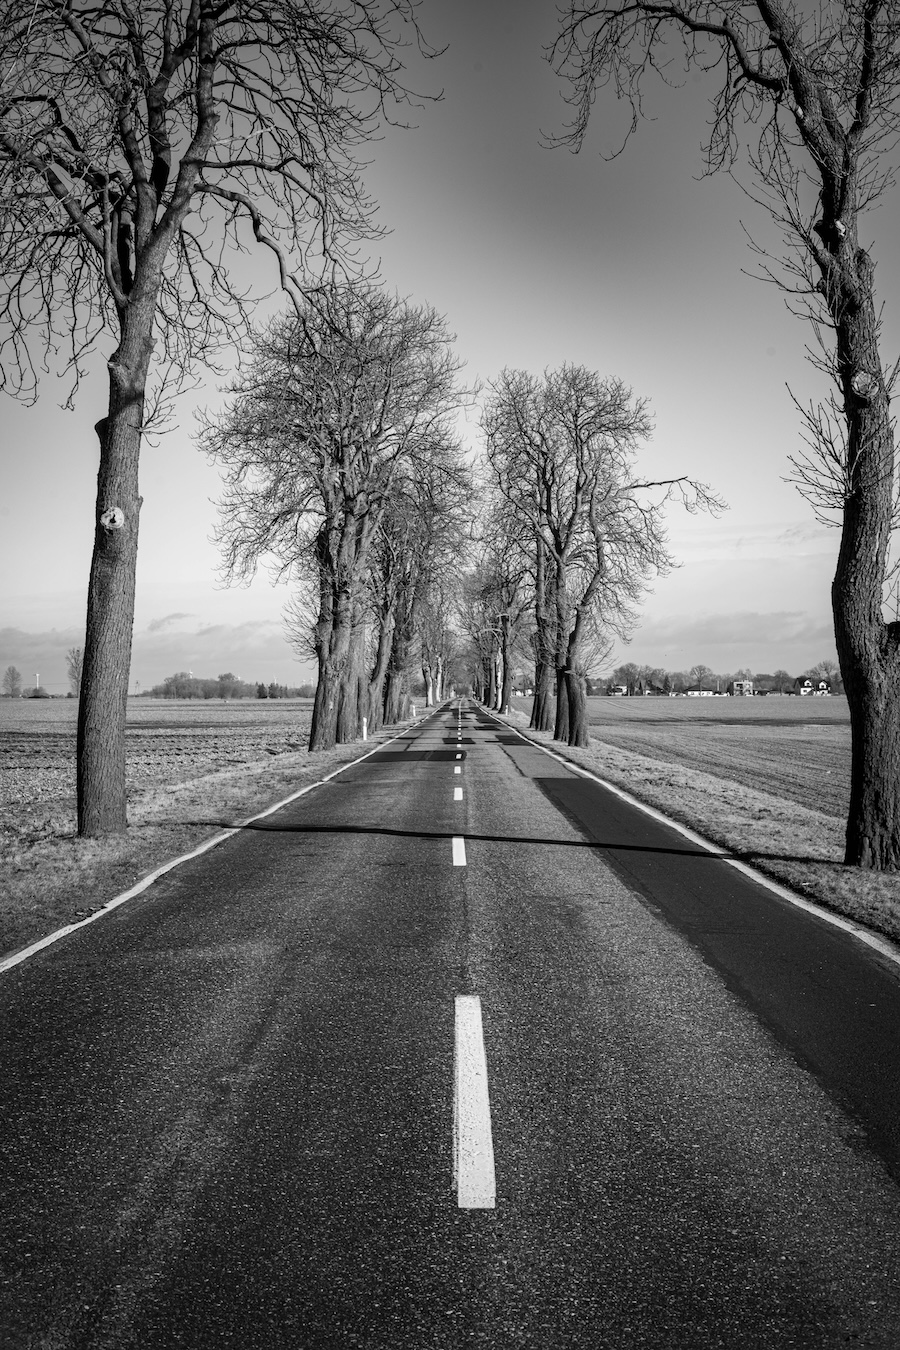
(185, 685)
(656, 680)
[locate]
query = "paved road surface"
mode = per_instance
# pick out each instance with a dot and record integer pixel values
(227, 1109)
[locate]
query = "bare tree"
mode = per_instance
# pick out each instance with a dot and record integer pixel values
(562, 450)
(74, 666)
(816, 92)
(139, 146)
(701, 676)
(12, 682)
(338, 405)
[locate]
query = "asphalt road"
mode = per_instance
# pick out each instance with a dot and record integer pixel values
(227, 1109)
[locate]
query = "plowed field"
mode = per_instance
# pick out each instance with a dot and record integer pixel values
(167, 742)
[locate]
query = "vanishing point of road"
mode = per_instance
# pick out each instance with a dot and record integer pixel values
(457, 1049)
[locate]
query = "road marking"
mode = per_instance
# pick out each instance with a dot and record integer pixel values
(459, 756)
(473, 1146)
(457, 769)
(459, 851)
(457, 794)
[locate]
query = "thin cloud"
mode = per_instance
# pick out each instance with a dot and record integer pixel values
(159, 625)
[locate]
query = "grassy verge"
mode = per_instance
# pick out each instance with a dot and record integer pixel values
(800, 847)
(49, 877)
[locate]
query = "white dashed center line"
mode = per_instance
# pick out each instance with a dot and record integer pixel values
(473, 1146)
(459, 851)
(457, 794)
(457, 769)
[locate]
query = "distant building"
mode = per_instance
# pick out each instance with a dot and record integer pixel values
(741, 688)
(810, 686)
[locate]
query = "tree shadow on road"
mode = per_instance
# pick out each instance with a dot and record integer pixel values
(749, 856)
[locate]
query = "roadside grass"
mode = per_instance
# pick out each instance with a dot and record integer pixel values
(49, 877)
(726, 801)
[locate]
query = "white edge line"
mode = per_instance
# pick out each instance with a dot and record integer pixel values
(883, 945)
(16, 958)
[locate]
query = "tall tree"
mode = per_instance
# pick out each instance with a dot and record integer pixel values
(815, 90)
(12, 682)
(563, 450)
(74, 666)
(140, 145)
(336, 408)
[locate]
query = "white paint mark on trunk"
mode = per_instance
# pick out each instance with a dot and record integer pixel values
(473, 1145)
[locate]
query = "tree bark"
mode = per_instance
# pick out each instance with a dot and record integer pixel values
(542, 705)
(333, 637)
(379, 668)
(506, 683)
(544, 645)
(349, 723)
(100, 773)
(576, 699)
(491, 699)
(561, 723)
(868, 648)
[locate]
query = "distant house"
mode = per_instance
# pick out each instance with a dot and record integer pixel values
(616, 691)
(811, 686)
(697, 692)
(741, 688)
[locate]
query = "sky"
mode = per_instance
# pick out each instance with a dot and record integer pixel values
(636, 267)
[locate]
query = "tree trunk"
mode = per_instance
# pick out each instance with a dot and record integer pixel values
(561, 724)
(348, 719)
(868, 648)
(576, 699)
(491, 699)
(506, 685)
(100, 771)
(562, 661)
(332, 650)
(542, 704)
(396, 695)
(379, 669)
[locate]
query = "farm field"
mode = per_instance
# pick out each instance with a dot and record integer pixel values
(168, 741)
(796, 748)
